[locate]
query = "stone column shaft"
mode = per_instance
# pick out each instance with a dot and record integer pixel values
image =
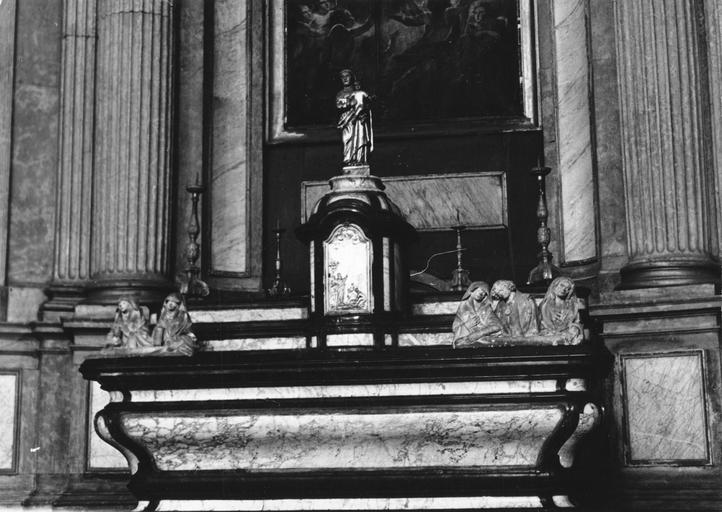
(71, 268)
(665, 125)
(132, 189)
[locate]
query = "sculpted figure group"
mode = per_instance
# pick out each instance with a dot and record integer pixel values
(503, 315)
(171, 335)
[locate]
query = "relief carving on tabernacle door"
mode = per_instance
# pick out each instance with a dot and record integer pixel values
(348, 277)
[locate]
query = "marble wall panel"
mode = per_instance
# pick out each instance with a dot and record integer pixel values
(295, 342)
(419, 339)
(34, 141)
(665, 408)
(101, 455)
(433, 202)
(248, 314)
(9, 383)
(360, 440)
(574, 135)
(7, 58)
(229, 179)
(361, 339)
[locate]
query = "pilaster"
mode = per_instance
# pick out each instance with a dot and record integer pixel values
(130, 236)
(672, 234)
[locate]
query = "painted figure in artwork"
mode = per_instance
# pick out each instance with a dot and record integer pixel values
(559, 312)
(130, 326)
(475, 322)
(517, 311)
(173, 330)
(354, 121)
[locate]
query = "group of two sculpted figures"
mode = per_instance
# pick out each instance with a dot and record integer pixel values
(503, 315)
(171, 335)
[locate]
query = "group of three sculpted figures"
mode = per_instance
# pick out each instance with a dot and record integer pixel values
(503, 315)
(171, 335)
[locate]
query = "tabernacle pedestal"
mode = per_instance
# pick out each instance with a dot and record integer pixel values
(357, 244)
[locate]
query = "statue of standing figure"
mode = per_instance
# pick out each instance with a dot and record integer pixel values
(354, 107)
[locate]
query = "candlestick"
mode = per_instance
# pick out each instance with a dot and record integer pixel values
(278, 288)
(545, 271)
(460, 276)
(191, 283)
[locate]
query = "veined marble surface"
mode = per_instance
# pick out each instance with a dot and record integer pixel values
(665, 408)
(8, 416)
(229, 175)
(360, 390)
(360, 339)
(101, 455)
(242, 314)
(337, 440)
(432, 202)
(436, 308)
(418, 339)
(297, 342)
(574, 129)
(433, 503)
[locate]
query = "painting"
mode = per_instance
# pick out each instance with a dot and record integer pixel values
(422, 60)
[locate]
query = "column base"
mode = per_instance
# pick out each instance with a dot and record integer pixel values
(62, 302)
(669, 273)
(145, 290)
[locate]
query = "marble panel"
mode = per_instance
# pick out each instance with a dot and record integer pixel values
(432, 202)
(229, 187)
(435, 308)
(418, 339)
(24, 303)
(408, 438)
(365, 390)
(574, 136)
(321, 504)
(360, 339)
(297, 342)
(8, 420)
(247, 314)
(665, 408)
(101, 455)
(7, 59)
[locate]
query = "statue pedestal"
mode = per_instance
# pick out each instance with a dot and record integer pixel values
(357, 244)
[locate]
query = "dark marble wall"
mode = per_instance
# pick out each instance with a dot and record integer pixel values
(34, 152)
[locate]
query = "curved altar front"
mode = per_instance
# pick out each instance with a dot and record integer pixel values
(400, 428)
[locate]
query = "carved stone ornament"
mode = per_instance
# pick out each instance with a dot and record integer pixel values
(130, 334)
(504, 316)
(130, 331)
(476, 322)
(559, 312)
(173, 330)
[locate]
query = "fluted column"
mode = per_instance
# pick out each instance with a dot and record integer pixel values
(71, 266)
(668, 177)
(130, 243)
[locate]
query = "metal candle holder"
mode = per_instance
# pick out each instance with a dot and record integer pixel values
(278, 288)
(545, 271)
(460, 276)
(192, 285)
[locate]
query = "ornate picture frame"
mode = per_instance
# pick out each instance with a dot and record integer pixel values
(296, 31)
